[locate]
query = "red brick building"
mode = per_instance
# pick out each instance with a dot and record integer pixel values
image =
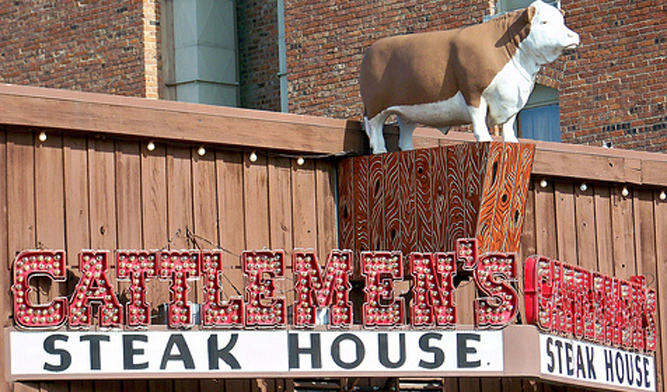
(303, 56)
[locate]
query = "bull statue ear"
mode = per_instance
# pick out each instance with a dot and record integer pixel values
(529, 13)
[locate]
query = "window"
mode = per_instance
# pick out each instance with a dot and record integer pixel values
(511, 5)
(540, 118)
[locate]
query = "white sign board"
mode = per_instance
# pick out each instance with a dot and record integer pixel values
(591, 363)
(218, 354)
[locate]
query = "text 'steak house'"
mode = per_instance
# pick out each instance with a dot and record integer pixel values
(153, 245)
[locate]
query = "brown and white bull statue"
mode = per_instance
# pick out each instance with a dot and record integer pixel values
(481, 74)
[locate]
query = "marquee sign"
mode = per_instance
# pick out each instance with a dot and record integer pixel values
(594, 329)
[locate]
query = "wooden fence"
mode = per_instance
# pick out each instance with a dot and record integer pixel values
(94, 183)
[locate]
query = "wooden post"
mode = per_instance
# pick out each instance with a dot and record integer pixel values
(424, 200)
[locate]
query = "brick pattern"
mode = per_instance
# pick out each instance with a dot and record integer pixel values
(615, 86)
(84, 45)
(257, 22)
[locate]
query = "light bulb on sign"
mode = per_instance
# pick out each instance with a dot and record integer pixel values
(543, 183)
(253, 157)
(201, 151)
(42, 137)
(150, 146)
(300, 161)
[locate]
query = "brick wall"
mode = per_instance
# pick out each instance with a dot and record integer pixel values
(257, 22)
(616, 84)
(84, 45)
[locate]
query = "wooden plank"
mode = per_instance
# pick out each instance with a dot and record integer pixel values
(346, 204)
(205, 205)
(20, 193)
(102, 191)
(603, 230)
(179, 196)
(5, 297)
(644, 235)
(376, 214)
(507, 176)
(154, 212)
(545, 220)
(424, 201)
(229, 168)
(566, 230)
(159, 119)
(128, 196)
(456, 195)
(49, 193)
(49, 203)
(77, 222)
(135, 385)
(361, 239)
(528, 246)
(157, 385)
(408, 200)
(584, 204)
(440, 201)
(392, 201)
(646, 253)
(280, 204)
(325, 183)
(622, 223)
(304, 205)
(256, 192)
(518, 203)
(660, 211)
(283, 235)
(492, 187)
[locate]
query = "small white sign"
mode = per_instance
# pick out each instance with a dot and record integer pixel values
(586, 362)
(217, 354)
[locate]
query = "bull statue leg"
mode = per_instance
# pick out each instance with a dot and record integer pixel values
(374, 128)
(508, 131)
(479, 127)
(406, 129)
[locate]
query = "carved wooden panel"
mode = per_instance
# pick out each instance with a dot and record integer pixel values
(424, 200)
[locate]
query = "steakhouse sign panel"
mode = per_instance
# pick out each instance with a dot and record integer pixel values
(560, 299)
(262, 353)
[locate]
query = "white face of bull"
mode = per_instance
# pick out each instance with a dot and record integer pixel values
(549, 36)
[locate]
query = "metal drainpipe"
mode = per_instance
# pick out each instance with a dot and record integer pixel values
(282, 57)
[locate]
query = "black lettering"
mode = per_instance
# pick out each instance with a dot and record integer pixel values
(580, 363)
(609, 366)
(438, 354)
(462, 350)
(630, 371)
(383, 351)
(647, 382)
(65, 356)
(183, 355)
(314, 351)
(639, 370)
(620, 370)
(95, 357)
(215, 354)
(559, 345)
(590, 352)
(359, 349)
(129, 351)
(569, 359)
(552, 364)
